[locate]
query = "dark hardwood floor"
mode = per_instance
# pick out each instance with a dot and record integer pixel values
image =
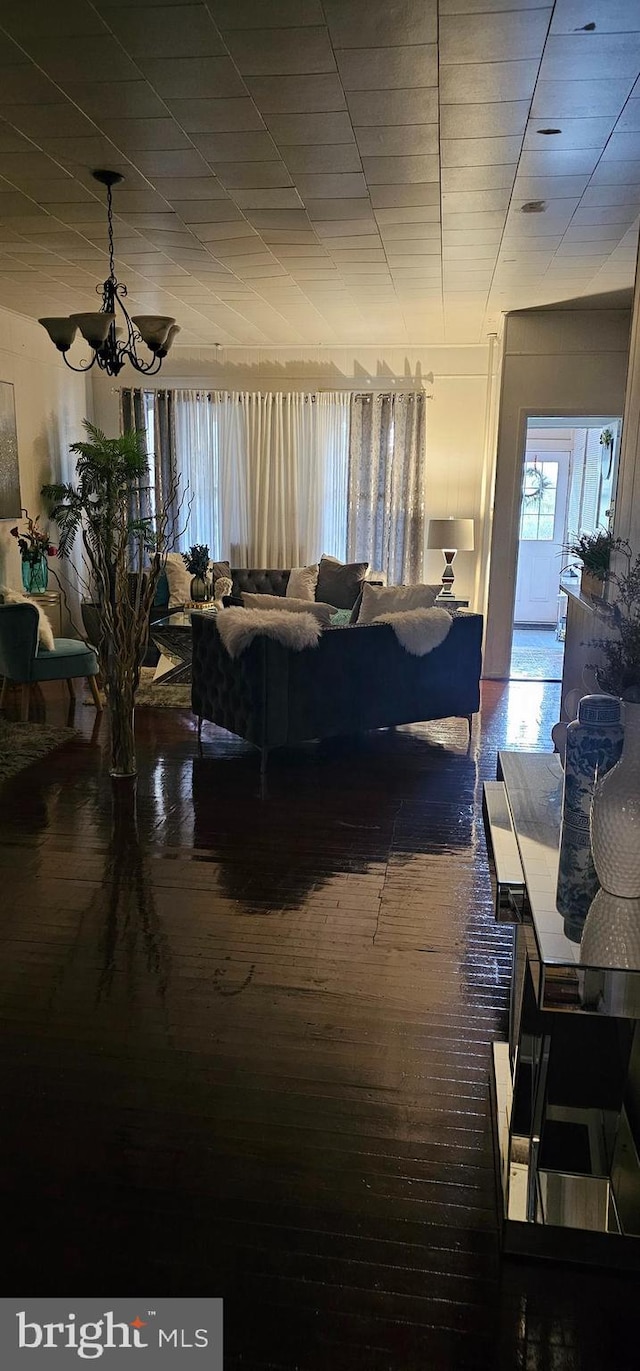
(244, 1047)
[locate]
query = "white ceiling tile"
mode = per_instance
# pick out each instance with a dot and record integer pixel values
(398, 140)
(421, 193)
(616, 173)
(609, 16)
(402, 169)
(392, 233)
(610, 195)
(195, 77)
(217, 116)
(376, 24)
(399, 68)
(487, 81)
(475, 152)
(550, 162)
(336, 228)
(255, 174)
(408, 214)
(469, 201)
(338, 208)
(504, 119)
(629, 121)
(176, 31)
(327, 157)
(504, 37)
(370, 108)
(310, 128)
(548, 187)
(586, 56)
(574, 134)
(580, 99)
(478, 178)
(148, 134)
(328, 186)
(281, 52)
(465, 219)
(623, 146)
(258, 198)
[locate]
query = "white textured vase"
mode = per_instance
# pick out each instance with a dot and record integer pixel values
(611, 936)
(615, 816)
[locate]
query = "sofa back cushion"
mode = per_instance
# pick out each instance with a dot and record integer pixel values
(392, 599)
(259, 581)
(340, 583)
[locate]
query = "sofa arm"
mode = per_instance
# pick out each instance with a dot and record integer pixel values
(248, 694)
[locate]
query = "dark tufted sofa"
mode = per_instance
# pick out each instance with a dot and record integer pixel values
(357, 678)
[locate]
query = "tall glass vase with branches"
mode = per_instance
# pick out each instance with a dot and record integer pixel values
(125, 537)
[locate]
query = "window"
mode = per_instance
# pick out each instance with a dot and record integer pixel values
(539, 495)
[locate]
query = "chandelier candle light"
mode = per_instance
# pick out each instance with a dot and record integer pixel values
(450, 536)
(100, 329)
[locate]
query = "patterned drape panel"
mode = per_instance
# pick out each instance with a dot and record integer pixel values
(153, 412)
(387, 449)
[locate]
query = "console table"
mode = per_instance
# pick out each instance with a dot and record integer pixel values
(566, 1085)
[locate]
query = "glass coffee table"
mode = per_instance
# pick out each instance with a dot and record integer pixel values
(172, 637)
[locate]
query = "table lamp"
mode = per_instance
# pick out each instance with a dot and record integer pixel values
(450, 536)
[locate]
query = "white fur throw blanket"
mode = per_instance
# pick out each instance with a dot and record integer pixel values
(418, 630)
(238, 628)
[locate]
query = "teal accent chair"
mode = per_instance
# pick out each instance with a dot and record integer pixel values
(24, 662)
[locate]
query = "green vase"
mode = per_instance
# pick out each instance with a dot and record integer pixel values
(199, 588)
(35, 576)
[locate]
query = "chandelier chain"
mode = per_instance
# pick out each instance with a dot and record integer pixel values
(110, 228)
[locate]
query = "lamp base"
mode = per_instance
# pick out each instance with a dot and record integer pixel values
(448, 575)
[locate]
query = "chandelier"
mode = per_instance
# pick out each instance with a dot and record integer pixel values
(114, 343)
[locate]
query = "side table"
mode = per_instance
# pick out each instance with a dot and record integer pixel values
(50, 602)
(566, 1085)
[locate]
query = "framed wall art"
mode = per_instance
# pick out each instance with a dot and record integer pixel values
(10, 503)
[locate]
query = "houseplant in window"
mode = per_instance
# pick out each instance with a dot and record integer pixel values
(123, 542)
(593, 551)
(34, 547)
(196, 561)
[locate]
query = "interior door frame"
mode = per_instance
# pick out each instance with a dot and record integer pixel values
(505, 534)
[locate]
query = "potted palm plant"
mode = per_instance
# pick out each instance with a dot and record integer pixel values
(124, 543)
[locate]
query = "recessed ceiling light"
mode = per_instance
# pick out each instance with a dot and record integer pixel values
(548, 131)
(533, 207)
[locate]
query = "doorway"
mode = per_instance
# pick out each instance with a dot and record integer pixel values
(568, 479)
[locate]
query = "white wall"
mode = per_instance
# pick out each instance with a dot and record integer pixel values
(51, 403)
(455, 378)
(555, 362)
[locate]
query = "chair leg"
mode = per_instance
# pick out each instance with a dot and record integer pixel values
(95, 693)
(72, 693)
(3, 696)
(24, 702)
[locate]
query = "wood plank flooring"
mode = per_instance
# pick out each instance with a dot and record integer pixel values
(244, 1047)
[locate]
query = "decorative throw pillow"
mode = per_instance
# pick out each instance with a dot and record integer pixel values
(46, 640)
(302, 582)
(218, 569)
(340, 583)
(179, 580)
(341, 618)
(223, 585)
(321, 612)
(378, 600)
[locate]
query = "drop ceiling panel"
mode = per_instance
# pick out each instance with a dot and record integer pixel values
(287, 159)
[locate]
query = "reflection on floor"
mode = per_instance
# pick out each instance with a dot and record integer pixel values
(536, 655)
(245, 1044)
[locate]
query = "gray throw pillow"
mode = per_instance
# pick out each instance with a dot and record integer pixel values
(340, 583)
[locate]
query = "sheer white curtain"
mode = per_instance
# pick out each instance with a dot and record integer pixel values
(198, 462)
(267, 473)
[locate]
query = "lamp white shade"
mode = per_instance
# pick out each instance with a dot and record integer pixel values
(61, 332)
(94, 327)
(455, 534)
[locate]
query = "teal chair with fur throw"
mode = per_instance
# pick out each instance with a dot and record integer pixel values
(24, 660)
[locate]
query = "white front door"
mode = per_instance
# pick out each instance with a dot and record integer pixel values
(545, 491)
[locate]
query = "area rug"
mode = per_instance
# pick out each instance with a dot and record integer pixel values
(155, 695)
(21, 744)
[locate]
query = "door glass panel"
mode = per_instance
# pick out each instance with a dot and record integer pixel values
(539, 495)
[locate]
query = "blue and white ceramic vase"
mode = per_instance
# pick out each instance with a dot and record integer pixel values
(594, 744)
